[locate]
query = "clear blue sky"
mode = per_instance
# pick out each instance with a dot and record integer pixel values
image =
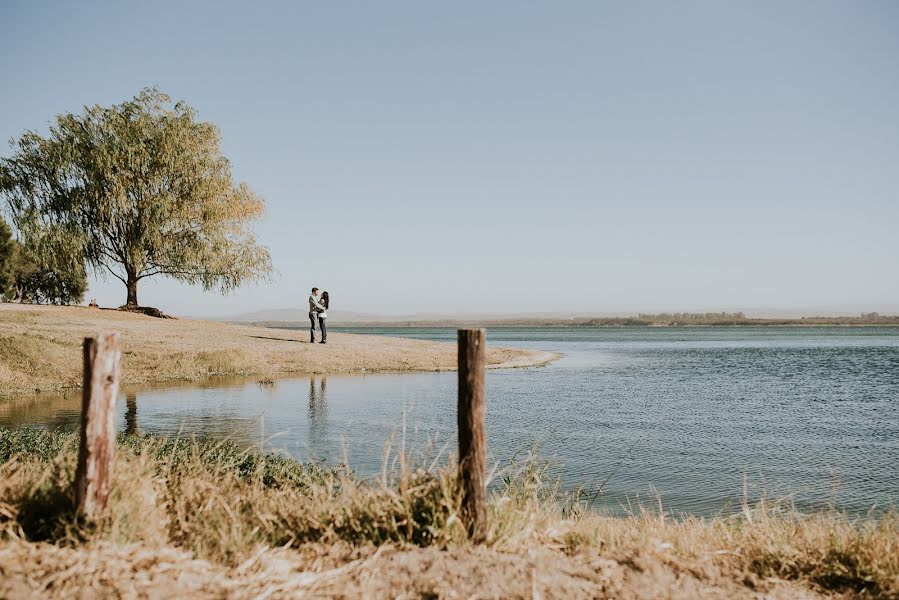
(513, 157)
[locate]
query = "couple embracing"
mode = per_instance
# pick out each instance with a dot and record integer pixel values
(318, 313)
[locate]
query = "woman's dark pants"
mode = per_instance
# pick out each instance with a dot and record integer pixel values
(322, 326)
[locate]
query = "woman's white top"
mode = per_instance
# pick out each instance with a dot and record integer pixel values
(317, 307)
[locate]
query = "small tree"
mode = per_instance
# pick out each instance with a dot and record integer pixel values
(143, 189)
(7, 260)
(25, 277)
(38, 281)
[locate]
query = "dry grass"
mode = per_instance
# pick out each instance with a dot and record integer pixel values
(40, 349)
(210, 520)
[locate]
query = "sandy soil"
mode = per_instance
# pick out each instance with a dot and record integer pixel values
(106, 570)
(40, 349)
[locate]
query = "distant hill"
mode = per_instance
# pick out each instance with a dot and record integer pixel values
(292, 317)
(288, 315)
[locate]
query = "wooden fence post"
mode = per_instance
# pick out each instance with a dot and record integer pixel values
(98, 420)
(472, 438)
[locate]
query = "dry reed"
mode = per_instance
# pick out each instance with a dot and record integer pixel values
(215, 520)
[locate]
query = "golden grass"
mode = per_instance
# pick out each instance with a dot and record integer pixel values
(40, 349)
(210, 520)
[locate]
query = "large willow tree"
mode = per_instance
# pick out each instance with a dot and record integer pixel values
(136, 190)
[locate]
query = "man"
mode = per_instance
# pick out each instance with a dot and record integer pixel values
(315, 307)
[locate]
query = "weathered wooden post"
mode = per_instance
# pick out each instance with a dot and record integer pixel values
(98, 417)
(472, 438)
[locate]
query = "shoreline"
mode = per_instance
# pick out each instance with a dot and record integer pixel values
(288, 326)
(536, 358)
(40, 350)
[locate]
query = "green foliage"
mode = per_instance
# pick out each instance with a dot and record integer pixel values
(273, 470)
(135, 190)
(224, 456)
(49, 286)
(7, 260)
(34, 277)
(35, 443)
(48, 280)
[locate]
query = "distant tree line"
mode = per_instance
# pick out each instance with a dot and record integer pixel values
(706, 318)
(642, 320)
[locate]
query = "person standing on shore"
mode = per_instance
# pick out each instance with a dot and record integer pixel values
(323, 317)
(315, 307)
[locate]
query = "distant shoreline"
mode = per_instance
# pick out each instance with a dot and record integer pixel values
(600, 323)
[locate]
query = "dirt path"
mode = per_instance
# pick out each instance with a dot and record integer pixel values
(106, 570)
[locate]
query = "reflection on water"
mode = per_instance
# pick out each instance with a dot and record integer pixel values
(318, 413)
(812, 413)
(58, 411)
(131, 414)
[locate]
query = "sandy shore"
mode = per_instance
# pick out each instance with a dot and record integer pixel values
(40, 349)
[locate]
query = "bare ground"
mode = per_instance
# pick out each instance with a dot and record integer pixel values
(106, 570)
(40, 349)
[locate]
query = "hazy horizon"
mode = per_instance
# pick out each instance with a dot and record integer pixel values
(299, 313)
(586, 158)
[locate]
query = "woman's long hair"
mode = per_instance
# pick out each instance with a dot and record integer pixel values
(326, 300)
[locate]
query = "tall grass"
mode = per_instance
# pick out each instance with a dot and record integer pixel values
(223, 503)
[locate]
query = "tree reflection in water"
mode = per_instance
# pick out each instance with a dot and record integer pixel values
(318, 418)
(131, 414)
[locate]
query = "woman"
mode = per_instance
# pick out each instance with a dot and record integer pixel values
(323, 316)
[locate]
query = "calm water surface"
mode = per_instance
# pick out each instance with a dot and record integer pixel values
(808, 414)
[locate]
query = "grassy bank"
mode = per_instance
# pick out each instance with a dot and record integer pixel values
(209, 520)
(40, 349)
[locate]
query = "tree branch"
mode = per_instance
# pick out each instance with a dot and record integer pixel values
(114, 274)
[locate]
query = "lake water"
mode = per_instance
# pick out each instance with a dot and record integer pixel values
(690, 414)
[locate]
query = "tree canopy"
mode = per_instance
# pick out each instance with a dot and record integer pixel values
(136, 190)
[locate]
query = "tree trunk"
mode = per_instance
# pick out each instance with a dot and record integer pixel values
(132, 291)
